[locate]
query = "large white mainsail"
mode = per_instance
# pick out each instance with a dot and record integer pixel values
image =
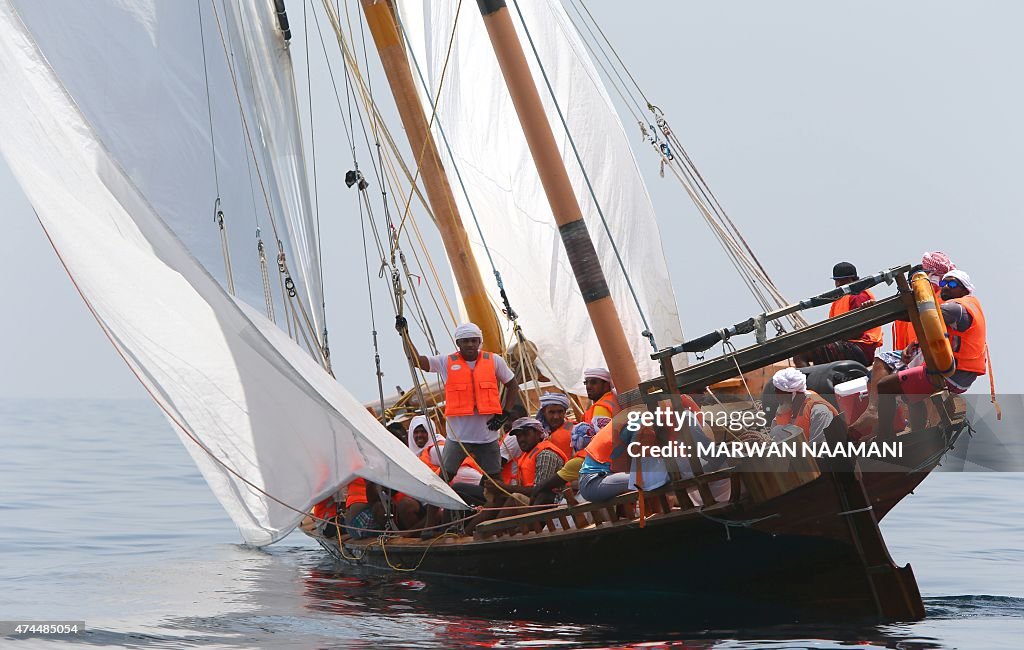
(490, 151)
(103, 121)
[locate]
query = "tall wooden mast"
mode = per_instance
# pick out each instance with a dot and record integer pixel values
(564, 206)
(381, 21)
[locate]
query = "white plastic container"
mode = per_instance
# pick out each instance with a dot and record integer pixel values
(852, 387)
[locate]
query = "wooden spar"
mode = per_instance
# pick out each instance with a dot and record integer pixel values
(381, 21)
(555, 179)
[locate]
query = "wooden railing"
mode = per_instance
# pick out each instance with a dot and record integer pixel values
(620, 509)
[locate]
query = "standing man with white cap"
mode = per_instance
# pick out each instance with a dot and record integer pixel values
(474, 409)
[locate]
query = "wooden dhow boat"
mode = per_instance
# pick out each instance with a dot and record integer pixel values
(803, 541)
(161, 148)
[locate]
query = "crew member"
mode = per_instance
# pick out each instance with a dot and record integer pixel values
(965, 323)
(601, 392)
(801, 407)
(936, 265)
(553, 407)
(861, 348)
(540, 460)
(474, 409)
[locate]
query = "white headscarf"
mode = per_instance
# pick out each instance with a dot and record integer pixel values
(419, 421)
(962, 277)
(599, 373)
(468, 331)
(790, 380)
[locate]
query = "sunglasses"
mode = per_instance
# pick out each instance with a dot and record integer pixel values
(952, 284)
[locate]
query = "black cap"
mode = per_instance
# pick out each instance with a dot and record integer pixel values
(844, 270)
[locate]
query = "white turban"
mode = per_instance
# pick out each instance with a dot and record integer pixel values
(790, 380)
(961, 277)
(597, 373)
(468, 331)
(419, 421)
(547, 399)
(510, 448)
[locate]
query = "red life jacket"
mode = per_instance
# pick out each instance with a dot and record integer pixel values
(803, 418)
(607, 401)
(470, 391)
(969, 346)
(872, 336)
(528, 461)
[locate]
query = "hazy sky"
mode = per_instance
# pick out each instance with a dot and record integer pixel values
(866, 131)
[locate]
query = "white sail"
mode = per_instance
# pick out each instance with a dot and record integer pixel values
(113, 187)
(163, 96)
(476, 113)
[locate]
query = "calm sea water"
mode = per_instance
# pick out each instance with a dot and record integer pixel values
(104, 519)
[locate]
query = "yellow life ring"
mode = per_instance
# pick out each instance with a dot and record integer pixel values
(935, 336)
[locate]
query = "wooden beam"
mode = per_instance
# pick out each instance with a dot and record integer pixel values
(695, 379)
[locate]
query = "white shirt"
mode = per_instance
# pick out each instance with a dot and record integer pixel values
(471, 428)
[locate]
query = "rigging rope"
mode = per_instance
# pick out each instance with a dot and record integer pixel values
(218, 213)
(265, 276)
(748, 266)
(586, 177)
(508, 310)
(288, 292)
(316, 189)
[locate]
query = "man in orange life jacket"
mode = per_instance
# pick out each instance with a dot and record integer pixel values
(600, 391)
(860, 349)
(473, 409)
(553, 407)
(905, 349)
(965, 323)
(801, 407)
(540, 459)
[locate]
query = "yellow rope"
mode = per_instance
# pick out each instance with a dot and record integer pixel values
(422, 557)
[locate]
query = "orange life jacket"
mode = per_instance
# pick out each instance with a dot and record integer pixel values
(326, 509)
(562, 437)
(607, 401)
(903, 333)
(511, 472)
(528, 462)
(803, 418)
(425, 456)
(872, 336)
(604, 442)
(969, 346)
(469, 391)
(356, 493)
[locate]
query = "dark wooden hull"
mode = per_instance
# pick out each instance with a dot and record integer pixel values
(794, 554)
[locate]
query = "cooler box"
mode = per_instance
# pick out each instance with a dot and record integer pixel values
(852, 398)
